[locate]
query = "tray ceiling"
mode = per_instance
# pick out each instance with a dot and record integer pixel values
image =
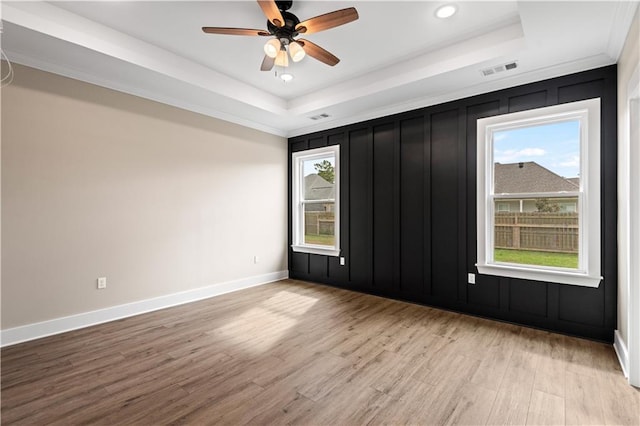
(398, 56)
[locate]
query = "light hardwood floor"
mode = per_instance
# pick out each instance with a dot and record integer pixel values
(298, 353)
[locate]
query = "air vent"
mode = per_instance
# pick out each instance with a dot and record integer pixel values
(320, 116)
(500, 68)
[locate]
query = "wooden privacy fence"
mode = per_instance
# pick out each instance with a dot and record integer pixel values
(319, 223)
(538, 231)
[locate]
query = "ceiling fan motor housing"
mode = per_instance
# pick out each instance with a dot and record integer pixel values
(288, 30)
(284, 36)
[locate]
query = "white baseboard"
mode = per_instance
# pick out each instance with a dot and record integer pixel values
(12, 336)
(621, 350)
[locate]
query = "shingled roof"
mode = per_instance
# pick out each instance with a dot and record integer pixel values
(530, 177)
(317, 188)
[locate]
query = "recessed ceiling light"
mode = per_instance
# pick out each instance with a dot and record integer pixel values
(286, 77)
(446, 11)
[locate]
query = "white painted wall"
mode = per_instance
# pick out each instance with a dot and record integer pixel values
(628, 333)
(157, 199)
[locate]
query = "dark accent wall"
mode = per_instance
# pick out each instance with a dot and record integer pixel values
(408, 211)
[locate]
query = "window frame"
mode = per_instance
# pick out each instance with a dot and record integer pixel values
(589, 265)
(297, 200)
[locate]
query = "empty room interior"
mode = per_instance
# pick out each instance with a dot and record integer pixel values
(320, 212)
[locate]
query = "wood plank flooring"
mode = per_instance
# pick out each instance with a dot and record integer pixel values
(299, 353)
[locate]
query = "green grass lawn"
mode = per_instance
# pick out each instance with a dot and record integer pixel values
(543, 258)
(324, 240)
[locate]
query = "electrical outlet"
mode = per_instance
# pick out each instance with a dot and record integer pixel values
(256, 259)
(471, 278)
(342, 263)
(102, 283)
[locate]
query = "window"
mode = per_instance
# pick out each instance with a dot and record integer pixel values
(546, 161)
(503, 207)
(568, 207)
(315, 201)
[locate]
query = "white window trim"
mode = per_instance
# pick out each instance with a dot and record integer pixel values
(588, 272)
(297, 159)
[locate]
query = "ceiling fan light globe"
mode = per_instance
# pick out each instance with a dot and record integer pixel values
(272, 47)
(282, 60)
(296, 51)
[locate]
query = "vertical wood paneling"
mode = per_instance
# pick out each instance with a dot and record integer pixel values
(528, 297)
(318, 266)
(581, 305)
(360, 212)
(486, 290)
(461, 192)
(528, 101)
(409, 211)
(412, 206)
(317, 142)
(579, 91)
(299, 263)
(426, 222)
(383, 207)
(337, 272)
(444, 203)
(299, 145)
(609, 188)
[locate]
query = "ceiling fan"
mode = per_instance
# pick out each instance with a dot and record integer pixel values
(284, 26)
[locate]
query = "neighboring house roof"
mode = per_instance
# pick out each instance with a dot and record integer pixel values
(530, 177)
(575, 181)
(316, 188)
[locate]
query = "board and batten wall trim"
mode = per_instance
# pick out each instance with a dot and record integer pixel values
(408, 223)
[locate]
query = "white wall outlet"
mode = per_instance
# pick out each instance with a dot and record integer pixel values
(471, 278)
(256, 259)
(102, 283)
(342, 261)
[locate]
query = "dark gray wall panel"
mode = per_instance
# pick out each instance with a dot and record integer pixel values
(360, 209)
(318, 266)
(528, 101)
(299, 263)
(317, 142)
(486, 291)
(408, 219)
(340, 273)
(444, 203)
(529, 297)
(581, 305)
(474, 113)
(580, 91)
(299, 145)
(412, 206)
(383, 207)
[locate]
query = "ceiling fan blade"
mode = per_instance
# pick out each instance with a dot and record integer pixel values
(328, 20)
(318, 52)
(267, 63)
(235, 31)
(271, 11)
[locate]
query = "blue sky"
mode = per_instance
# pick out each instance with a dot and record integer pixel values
(554, 146)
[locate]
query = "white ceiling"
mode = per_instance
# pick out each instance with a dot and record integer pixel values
(398, 56)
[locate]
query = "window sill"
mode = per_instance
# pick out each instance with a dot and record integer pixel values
(555, 276)
(316, 250)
